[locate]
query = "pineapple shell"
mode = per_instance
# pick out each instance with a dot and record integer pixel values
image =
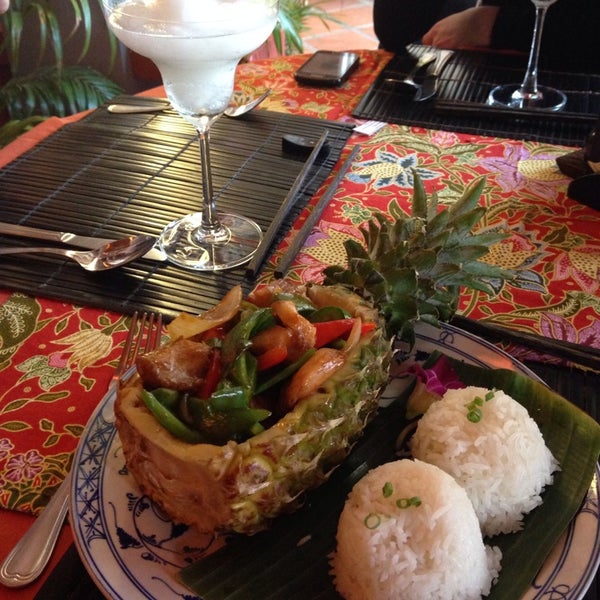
(243, 486)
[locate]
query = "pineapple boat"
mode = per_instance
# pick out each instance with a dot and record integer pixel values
(257, 400)
(237, 448)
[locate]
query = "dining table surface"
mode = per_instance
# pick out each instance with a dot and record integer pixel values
(57, 354)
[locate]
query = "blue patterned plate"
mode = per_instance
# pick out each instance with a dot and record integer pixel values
(133, 550)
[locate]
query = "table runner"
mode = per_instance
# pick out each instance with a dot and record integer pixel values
(113, 175)
(468, 77)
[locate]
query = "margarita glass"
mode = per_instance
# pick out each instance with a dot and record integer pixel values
(529, 94)
(196, 45)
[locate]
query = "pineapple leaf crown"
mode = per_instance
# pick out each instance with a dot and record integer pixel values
(413, 268)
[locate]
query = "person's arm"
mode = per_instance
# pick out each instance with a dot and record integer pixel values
(470, 28)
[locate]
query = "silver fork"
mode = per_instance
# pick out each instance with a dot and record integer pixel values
(30, 555)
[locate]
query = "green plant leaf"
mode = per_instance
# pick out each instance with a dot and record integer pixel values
(83, 18)
(292, 22)
(51, 91)
(11, 24)
(54, 89)
(13, 129)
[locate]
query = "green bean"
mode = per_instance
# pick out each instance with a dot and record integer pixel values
(284, 373)
(169, 421)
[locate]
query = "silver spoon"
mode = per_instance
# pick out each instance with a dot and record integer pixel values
(128, 109)
(32, 552)
(235, 110)
(409, 81)
(109, 256)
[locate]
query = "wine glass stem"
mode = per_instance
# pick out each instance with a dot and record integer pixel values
(529, 86)
(210, 221)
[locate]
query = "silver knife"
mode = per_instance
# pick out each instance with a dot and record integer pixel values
(80, 241)
(430, 83)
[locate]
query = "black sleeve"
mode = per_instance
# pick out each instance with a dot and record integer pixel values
(570, 41)
(401, 22)
(513, 29)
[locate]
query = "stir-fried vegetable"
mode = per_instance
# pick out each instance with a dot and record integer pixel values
(257, 363)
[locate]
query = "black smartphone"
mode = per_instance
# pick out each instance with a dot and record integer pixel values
(327, 68)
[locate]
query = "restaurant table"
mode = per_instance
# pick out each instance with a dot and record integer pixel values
(58, 352)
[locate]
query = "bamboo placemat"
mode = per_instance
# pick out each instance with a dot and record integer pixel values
(467, 78)
(114, 175)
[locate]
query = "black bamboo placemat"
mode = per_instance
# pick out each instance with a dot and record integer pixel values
(468, 78)
(113, 175)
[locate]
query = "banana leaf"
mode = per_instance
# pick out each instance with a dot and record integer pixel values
(290, 561)
(574, 439)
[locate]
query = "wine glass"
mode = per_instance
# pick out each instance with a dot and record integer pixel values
(529, 94)
(196, 45)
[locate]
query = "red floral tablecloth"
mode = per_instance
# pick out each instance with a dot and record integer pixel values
(553, 244)
(56, 359)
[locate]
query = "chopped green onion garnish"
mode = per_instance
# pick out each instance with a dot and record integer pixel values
(372, 521)
(406, 502)
(388, 489)
(474, 413)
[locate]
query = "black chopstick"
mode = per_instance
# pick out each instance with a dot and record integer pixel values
(257, 260)
(479, 109)
(576, 353)
(313, 217)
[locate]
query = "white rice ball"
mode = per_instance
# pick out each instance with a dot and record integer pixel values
(408, 532)
(492, 447)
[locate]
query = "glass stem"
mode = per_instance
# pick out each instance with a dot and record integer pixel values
(210, 221)
(529, 87)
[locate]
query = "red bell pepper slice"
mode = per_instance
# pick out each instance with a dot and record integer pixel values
(214, 333)
(328, 331)
(271, 357)
(213, 374)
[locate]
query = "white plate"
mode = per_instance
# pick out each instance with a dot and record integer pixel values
(133, 550)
